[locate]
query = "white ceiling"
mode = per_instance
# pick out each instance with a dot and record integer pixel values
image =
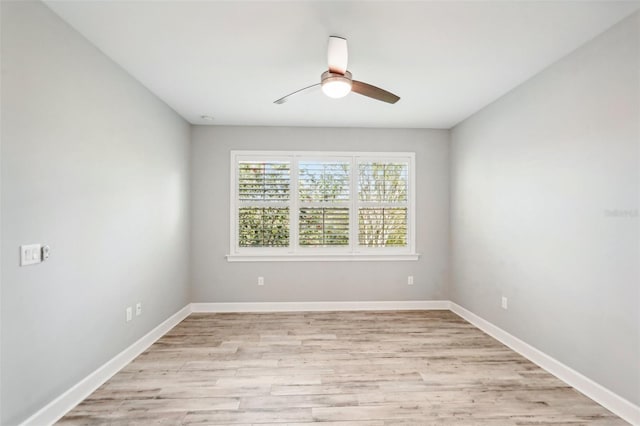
(232, 59)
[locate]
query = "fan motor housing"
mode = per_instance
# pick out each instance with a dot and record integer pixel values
(328, 76)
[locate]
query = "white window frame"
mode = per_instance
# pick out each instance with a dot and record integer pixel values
(294, 252)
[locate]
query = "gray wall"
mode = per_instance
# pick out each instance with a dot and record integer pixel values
(97, 167)
(544, 204)
(216, 280)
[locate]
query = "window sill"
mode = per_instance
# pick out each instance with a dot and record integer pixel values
(322, 258)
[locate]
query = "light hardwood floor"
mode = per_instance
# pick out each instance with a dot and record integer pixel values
(341, 368)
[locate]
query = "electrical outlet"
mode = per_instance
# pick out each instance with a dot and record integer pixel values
(138, 308)
(410, 280)
(260, 280)
(504, 303)
(129, 313)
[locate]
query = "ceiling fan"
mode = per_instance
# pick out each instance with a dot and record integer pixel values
(337, 81)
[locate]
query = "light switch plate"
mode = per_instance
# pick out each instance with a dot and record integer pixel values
(30, 254)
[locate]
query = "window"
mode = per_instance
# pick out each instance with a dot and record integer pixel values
(323, 203)
(322, 206)
(263, 203)
(382, 210)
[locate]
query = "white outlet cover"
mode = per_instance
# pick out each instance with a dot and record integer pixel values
(504, 303)
(129, 313)
(138, 308)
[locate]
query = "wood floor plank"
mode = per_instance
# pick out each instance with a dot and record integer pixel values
(338, 368)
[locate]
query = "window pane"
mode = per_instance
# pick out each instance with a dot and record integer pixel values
(323, 181)
(263, 227)
(263, 181)
(324, 227)
(382, 227)
(383, 182)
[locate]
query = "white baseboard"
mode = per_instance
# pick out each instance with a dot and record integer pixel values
(53, 411)
(403, 305)
(603, 396)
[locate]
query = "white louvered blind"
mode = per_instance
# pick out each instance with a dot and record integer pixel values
(323, 197)
(263, 203)
(383, 204)
(263, 181)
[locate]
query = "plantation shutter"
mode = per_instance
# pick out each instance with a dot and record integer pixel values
(263, 203)
(323, 196)
(382, 204)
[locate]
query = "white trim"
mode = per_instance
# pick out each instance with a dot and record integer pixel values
(233, 209)
(603, 396)
(403, 305)
(251, 154)
(288, 257)
(53, 411)
(353, 250)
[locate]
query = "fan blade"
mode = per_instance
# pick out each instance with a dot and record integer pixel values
(373, 92)
(286, 98)
(337, 54)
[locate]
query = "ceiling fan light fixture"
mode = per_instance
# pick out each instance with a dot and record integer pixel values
(337, 82)
(336, 85)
